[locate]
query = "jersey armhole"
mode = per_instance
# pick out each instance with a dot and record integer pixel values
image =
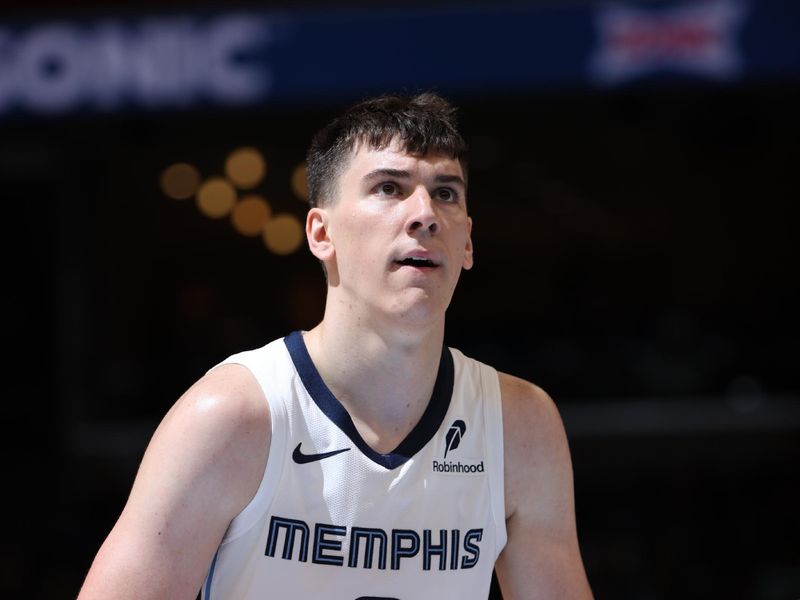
(259, 504)
(493, 415)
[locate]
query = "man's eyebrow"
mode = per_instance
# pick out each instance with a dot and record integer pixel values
(378, 173)
(451, 179)
(403, 174)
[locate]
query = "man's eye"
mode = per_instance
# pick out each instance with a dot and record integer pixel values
(447, 194)
(388, 189)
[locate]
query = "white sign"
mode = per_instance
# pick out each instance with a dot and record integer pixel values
(157, 62)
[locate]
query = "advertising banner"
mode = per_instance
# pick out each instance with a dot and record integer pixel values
(235, 59)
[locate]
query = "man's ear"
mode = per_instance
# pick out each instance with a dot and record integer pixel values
(319, 242)
(468, 258)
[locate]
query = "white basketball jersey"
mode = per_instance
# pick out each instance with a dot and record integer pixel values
(334, 519)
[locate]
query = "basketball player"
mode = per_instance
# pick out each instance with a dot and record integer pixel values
(363, 459)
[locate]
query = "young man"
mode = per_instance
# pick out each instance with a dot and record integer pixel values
(363, 458)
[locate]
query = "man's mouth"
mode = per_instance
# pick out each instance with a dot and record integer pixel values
(412, 261)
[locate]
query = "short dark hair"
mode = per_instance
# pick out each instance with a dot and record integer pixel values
(423, 123)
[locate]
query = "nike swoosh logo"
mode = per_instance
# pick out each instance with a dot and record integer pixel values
(302, 459)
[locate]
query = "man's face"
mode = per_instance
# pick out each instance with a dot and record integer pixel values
(399, 233)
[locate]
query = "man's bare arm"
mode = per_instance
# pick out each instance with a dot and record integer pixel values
(202, 466)
(542, 558)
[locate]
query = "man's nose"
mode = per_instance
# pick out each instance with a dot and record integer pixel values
(422, 214)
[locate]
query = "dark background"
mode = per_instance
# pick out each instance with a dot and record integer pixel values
(636, 256)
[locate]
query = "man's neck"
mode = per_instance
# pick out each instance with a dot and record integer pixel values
(383, 378)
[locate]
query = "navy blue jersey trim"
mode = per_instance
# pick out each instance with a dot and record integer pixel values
(210, 576)
(328, 403)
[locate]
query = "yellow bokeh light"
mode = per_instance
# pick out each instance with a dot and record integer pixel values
(250, 215)
(245, 167)
(216, 197)
(283, 234)
(180, 181)
(299, 182)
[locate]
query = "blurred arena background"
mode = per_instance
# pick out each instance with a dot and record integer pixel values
(634, 189)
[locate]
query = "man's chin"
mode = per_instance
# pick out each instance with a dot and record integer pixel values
(418, 305)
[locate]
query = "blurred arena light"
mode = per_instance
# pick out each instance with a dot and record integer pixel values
(283, 234)
(299, 182)
(245, 167)
(180, 181)
(216, 197)
(250, 215)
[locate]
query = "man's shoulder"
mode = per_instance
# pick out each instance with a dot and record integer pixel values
(229, 393)
(535, 449)
(532, 423)
(523, 398)
(219, 427)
